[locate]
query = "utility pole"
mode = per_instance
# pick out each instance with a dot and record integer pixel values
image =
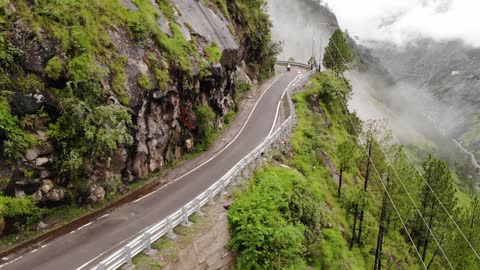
(321, 50)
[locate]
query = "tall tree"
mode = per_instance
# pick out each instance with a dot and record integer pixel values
(438, 184)
(377, 140)
(346, 154)
(337, 54)
(460, 252)
(382, 224)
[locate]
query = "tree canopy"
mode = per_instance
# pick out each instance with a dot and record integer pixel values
(337, 54)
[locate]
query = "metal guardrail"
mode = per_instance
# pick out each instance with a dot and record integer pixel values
(165, 227)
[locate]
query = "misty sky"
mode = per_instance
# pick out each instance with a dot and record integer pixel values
(401, 21)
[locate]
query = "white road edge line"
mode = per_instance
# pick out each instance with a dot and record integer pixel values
(187, 173)
(279, 104)
(104, 216)
(88, 224)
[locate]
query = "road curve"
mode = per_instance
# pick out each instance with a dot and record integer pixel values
(88, 245)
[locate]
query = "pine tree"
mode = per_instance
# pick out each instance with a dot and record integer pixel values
(439, 179)
(337, 54)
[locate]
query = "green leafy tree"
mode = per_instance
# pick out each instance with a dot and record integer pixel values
(87, 133)
(333, 88)
(264, 230)
(13, 140)
(337, 54)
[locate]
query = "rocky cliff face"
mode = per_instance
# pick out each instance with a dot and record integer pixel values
(105, 93)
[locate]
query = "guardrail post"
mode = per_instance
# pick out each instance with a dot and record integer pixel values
(222, 191)
(198, 208)
(185, 222)
(210, 197)
(238, 176)
(148, 250)
(128, 255)
(245, 172)
(170, 234)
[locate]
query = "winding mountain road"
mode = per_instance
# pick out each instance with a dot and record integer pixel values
(84, 247)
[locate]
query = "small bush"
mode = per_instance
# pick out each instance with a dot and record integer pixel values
(144, 82)
(274, 222)
(163, 79)
(205, 129)
(213, 53)
(229, 117)
(244, 87)
(14, 140)
(54, 68)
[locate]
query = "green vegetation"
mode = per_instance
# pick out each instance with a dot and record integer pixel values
(205, 128)
(162, 79)
(89, 133)
(337, 54)
(229, 117)
(273, 223)
(144, 82)
(243, 87)
(13, 140)
(18, 213)
(213, 53)
(54, 68)
(14, 207)
(118, 79)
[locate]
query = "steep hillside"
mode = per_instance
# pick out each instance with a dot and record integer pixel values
(98, 94)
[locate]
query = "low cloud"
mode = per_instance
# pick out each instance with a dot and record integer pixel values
(407, 20)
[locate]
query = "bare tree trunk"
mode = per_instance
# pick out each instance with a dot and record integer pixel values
(352, 241)
(430, 225)
(433, 257)
(365, 185)
(360, 228)
(425, 247)
(381, 231)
